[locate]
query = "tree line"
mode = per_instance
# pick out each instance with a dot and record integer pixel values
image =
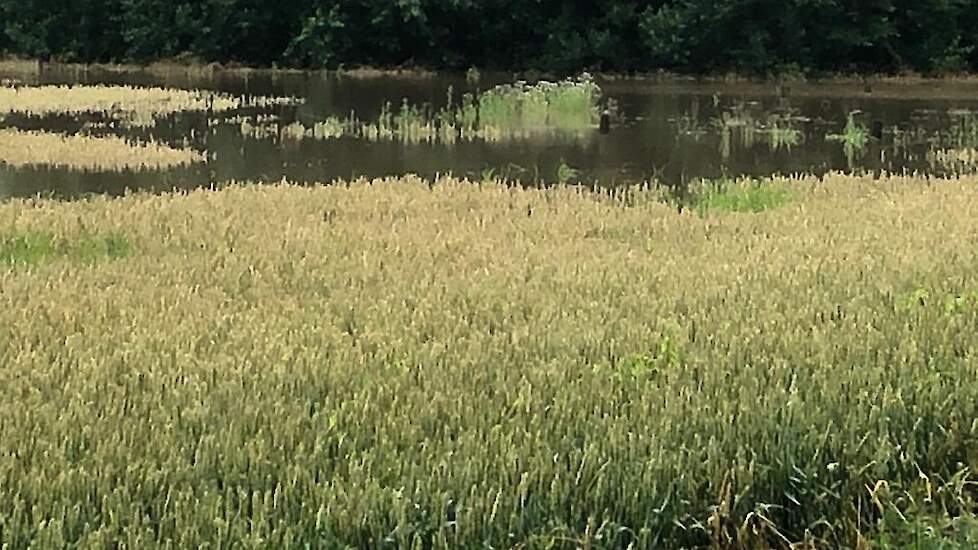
(692, 36)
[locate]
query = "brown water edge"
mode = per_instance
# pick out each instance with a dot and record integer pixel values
(903, 85)
(670, 130)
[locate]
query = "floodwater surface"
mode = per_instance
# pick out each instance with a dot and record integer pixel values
(667, 131)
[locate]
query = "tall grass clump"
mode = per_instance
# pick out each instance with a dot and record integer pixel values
(505, 112)
(443, 364)
(568, 104)
(782, 134)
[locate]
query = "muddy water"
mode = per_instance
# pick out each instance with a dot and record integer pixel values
(669, 131)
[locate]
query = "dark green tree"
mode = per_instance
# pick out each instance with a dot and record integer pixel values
(698, 36)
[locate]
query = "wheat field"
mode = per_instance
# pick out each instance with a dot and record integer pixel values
(412, 364)
(137, 106)
(89, 153)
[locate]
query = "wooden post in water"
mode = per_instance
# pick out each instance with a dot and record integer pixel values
(877, 129)
(605, 124)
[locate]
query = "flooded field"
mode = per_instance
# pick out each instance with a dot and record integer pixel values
(203, 127)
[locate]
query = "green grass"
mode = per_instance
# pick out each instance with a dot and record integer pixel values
(739, 196)
(930, 514)
(854, 139)
(33, 248)
(568, 104)
(504, 112)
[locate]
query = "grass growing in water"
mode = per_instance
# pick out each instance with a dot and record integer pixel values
(451, 365)
(781, 134)
(569, 104)
(502, 113)
(854, 138)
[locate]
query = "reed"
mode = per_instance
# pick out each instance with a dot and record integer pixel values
(737, 195)
(781, 134)
(506, 112)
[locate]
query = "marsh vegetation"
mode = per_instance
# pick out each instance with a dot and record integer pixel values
(504, 112)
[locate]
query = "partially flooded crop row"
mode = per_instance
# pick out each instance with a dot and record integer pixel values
(241, 125)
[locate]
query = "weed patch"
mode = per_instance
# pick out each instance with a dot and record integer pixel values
(33, 248)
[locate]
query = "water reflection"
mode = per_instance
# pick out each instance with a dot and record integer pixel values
(665, 130)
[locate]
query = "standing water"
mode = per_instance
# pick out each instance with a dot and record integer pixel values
(248, 125)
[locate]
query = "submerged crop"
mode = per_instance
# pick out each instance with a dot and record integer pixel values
(79, 152)
(136, 106)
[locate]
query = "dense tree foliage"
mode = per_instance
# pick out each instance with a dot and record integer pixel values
(561, 35)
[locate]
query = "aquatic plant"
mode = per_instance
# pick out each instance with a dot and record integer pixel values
(410, 124)
(79, 152)
(737, 195)
(502, 113)
(854, 139)
(569, 104)
(473, 76)
(736, 125)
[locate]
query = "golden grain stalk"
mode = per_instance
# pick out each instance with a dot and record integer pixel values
(402, 363)
(109, 153)
(137, 106)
